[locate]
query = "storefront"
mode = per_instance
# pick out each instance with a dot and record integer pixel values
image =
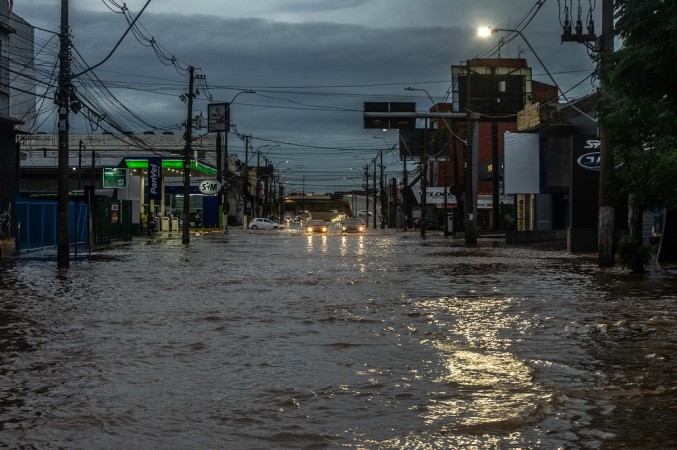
(156, 189)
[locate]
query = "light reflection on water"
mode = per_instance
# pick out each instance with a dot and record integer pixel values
(384, 340)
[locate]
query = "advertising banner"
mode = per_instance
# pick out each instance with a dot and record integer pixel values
(114, 178)
(218, 117)
(584, 181)
(155, 178)
(521, 169)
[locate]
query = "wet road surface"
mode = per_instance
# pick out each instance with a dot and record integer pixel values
(268, 339)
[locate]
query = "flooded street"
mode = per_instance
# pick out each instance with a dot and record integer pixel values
(267, 340)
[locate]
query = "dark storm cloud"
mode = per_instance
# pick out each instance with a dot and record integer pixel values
(311, 77)
(256, 53)
(322, 5)
(259, 54)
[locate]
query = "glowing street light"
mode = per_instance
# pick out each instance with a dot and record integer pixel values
(488, 31)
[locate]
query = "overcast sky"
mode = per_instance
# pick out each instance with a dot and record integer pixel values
(312, 64)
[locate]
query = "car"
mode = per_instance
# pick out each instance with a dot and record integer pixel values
(353, 225)
(363, 212)
(317, 226)
(261, 223)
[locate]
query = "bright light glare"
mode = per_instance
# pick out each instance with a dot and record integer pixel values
(484, 31)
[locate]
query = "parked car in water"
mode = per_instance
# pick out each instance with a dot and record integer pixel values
(317, 226)
(353, 225)
(261, 223)
(363, 212)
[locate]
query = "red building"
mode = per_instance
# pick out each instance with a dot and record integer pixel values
(493, 91)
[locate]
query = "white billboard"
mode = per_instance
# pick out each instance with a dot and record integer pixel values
(521, 163)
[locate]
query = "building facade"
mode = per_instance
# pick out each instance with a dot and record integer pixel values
(17, 113)
(90, 156)
(492, 91)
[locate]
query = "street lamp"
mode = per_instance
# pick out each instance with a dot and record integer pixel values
(271, 146)
(488, 31)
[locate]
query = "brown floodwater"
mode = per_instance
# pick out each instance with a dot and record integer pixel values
(262, 340)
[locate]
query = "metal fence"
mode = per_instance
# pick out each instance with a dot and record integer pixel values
(36, 221)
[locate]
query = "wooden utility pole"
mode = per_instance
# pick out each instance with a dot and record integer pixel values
(245, 181)
(219, 171)
(63, 94)
(495, 177)
(187, 156)
(403, 194)
(374, 220)
(607, 211)
(382, 196)
(424, 178)
(469, 173)
(63, 101)
(366, 177)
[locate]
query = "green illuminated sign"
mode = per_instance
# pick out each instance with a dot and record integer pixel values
(170, 164)
(114, 178)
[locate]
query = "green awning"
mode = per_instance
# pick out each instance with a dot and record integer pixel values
(169, 163)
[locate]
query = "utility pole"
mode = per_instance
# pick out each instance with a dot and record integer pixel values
(219, 174)
(366, 177)
(456, 193)
(424, 188)
(470, 142)
(606, 215)
(185, 236)
(446, 220)
(257, 199)
(424, 178)
(245, 183)
(226, 178)
(63, 100)
(265, 210)
(222, 174)
(63, 94)
(383, 196)
(607, 210)
(405, 182)
(495, 176)
(374, 220)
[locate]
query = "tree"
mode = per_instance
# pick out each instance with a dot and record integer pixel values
(638, 108)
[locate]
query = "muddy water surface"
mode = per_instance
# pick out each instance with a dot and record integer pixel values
(261, 340)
